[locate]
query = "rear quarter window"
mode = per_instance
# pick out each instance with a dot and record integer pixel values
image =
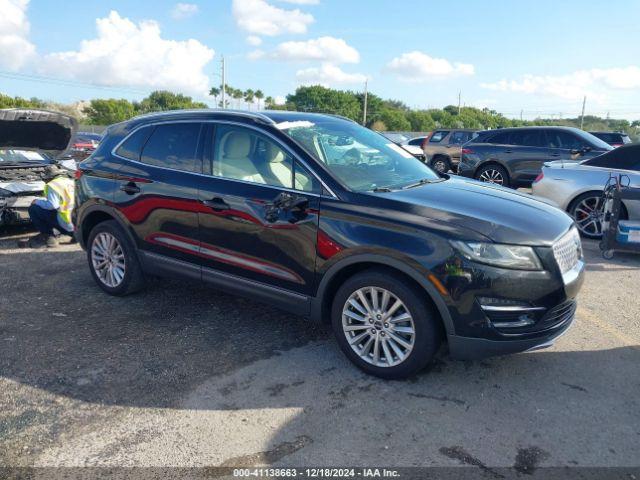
(438, 136)
(131, 148)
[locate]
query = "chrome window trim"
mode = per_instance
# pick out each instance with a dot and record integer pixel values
(228, 122)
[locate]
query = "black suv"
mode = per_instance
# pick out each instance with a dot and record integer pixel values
(615, 139)
(442, 148)
(513, 157)
(355, 232)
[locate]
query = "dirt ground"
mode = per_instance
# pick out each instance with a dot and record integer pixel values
(183, 375)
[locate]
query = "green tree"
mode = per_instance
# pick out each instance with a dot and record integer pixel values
(420, 120)
(395, 120)
(249, 97)
(108, 111)
(162, 100)
(325, 100)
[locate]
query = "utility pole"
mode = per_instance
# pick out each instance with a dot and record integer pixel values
(584, 103)
(459, 100)
(520, 115)
(364, 110)
(224, 85)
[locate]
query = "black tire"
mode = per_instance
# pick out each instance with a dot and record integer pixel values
(133, 279)
(493, 171)
(426, 322)
(589, 197)
(440, 164)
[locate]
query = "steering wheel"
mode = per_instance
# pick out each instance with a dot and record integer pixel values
(353, 156)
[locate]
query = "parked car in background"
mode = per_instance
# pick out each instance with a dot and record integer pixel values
(374, 242)
(442, 149)
(578, 187)
(615, 139)
(513, 157)
(404, 142)
(84, 144)
(414, 146)
(31, 142)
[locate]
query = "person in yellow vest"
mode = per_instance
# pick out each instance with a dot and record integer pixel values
(53, 212)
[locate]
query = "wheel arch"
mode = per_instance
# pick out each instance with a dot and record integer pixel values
(95, 215)
(346, 268)
(495, 162)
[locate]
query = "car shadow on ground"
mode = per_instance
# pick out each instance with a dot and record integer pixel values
(181, 346)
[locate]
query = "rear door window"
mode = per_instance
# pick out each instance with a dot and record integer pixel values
(502, 138)
(438, 136)
(527, 138)
(458, 138)
(174, 146)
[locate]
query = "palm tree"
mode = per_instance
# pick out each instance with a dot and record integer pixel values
(269, 102)
(237, 94)
(259, 96)
(249, 96)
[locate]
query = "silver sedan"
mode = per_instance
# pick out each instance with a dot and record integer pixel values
(577, 187)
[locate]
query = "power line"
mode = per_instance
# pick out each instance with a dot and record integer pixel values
(66, 83)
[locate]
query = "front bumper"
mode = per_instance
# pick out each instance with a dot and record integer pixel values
(543, 308)
(15, 210)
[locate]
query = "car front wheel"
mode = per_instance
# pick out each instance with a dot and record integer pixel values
(440, 164)
(384, 326)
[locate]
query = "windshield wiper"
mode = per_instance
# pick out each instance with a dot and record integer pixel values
(422, 181)
(381, 189)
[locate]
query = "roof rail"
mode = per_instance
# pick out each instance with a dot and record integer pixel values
(240, 113)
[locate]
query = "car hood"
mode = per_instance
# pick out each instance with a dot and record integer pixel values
(42, 130)
(502, 215)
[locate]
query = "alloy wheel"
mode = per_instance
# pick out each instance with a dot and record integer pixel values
(492, 176)
(378, 326)
(107, 258)
(589, 214)
(440, 166)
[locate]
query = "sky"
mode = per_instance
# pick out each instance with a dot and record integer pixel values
(529, 58)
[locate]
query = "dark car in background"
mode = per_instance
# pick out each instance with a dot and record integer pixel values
(442, 148)
(369, 239)
(615, 139)
(513, 157)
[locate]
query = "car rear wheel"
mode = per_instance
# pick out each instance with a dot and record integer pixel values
(384, 326)
(493, 174)
(112, 260)
(588, 212)
(440, 164)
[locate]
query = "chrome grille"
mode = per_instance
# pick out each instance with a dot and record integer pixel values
(568, 250)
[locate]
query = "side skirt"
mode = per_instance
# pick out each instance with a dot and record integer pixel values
(163, 266)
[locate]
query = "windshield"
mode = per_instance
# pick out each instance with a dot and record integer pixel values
(593, 140)
(12, 157)
(362, 159)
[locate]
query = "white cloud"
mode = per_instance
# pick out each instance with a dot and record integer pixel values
(184, 10)
(324, 49)
(260, 18)
(595, 83)
(328, 75)
(254, 40)
(418, 66)
(302, 2)
(126, 54)
(15, 48)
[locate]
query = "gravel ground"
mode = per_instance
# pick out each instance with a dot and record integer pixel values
(182, 375)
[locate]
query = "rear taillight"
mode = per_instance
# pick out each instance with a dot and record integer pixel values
(77, 174)
(539, 177)
(467, 151)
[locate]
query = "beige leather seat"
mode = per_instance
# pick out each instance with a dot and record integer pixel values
(280, 167)
(235, 161)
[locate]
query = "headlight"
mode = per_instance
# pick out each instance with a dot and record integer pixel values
(506, 256)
